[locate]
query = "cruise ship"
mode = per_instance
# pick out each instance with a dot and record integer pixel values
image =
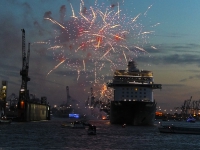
(133, 102)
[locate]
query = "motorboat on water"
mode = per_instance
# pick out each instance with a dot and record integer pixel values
(4, 120)
(191, 119)
(179, 129)
(91, 130)
(74, 125)
(78, 125)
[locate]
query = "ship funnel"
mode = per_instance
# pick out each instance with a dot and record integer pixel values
(132, 66)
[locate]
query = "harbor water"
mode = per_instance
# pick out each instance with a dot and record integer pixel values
(50, 135)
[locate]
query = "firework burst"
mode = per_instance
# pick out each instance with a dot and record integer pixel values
(96, 40)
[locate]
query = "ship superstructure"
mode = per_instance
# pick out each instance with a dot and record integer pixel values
(133, 96)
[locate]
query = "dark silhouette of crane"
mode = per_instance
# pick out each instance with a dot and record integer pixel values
(68, 96)
(24, 92)
(92, 97)
(189, 107)
(186, 106)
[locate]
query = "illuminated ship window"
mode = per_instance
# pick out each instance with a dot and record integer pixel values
(136, 89)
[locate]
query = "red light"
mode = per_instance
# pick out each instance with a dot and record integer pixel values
(22, 104)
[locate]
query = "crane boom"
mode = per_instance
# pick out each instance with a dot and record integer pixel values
(23, 50)
(27, 59)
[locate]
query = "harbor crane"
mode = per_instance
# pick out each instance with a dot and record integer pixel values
(68, 96)
(190, 107)
(92, 103)
(24, 92)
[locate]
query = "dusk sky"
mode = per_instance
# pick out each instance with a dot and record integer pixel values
(79, 43)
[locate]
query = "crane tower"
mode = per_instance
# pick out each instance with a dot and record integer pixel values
(68, 96)
(24, 92)
(92, 97)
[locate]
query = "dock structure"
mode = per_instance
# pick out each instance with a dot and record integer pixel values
(34, 110)
(29, 109)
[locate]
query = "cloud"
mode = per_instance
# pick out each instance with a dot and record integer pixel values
(10, 39)
(172, 35)
(171, 59)
(185, 47)
(194, 71)
(190, 78)
(173, 85)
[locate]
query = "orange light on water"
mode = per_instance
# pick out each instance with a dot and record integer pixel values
(103, 117)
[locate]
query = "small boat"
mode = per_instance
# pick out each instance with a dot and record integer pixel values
(78, 125)
(124, 125)
(74, 125)
(178, 129)
(191, 119)
(63, 125)
(4, 120)
(91, 130)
